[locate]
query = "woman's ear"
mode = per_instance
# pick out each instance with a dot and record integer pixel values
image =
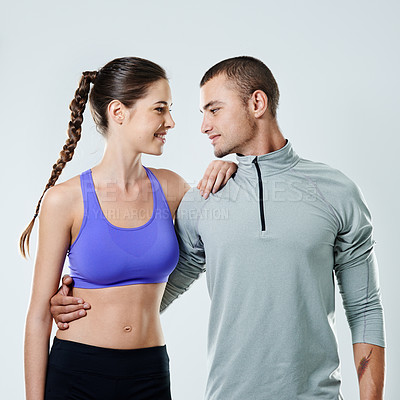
(116, 111)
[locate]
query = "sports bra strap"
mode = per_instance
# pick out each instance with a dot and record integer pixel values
(159, 193)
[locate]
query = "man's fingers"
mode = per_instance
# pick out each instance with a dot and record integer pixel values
(62, 325)
(64, 290)
(66, 280)
(62, 300)
(58, 310)
(70, 316)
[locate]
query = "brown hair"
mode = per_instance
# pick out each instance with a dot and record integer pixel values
(248, 74)
(126, 79)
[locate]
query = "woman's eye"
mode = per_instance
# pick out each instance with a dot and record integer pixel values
(162, 109)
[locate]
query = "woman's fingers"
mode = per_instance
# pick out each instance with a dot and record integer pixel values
(210, 177)
(216, 176)
(210, 182)
(214, 184)
(202, 184)
(230, 171)
(219, 182)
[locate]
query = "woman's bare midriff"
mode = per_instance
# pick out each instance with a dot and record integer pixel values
(120, 317)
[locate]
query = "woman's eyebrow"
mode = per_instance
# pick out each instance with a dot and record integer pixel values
(162, 102)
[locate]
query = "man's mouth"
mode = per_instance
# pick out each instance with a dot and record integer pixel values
(214, 138)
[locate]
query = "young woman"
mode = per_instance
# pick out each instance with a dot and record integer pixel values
(115, 223)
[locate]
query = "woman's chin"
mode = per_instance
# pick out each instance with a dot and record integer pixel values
(154, 152)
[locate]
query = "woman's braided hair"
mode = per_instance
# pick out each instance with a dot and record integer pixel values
(125, 79)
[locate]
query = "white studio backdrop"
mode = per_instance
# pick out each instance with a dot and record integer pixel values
(336, 64)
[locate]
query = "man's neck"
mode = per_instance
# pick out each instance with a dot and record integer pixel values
(267, 138)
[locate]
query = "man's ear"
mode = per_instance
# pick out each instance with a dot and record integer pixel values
(259, 103)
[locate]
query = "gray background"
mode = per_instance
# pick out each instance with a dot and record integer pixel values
(337, 66)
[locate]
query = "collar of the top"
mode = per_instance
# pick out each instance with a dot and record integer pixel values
(271, 163)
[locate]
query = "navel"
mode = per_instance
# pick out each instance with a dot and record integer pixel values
(127, 329)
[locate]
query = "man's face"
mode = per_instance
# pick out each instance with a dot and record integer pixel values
(227, 121)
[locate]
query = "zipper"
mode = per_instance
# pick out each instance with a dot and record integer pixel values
(260, 195)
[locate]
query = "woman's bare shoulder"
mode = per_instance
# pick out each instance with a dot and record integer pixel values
(69, 189)
(173, 185)
(65, 195)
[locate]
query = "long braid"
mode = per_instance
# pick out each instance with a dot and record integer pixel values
(77, 108)
(126, 79)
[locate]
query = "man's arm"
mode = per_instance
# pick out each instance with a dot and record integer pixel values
(370, 363)
(356, 270)
(191, 250)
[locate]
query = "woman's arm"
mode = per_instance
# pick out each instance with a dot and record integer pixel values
(55, 221)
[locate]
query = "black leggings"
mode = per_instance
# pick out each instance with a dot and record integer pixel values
(80, 371)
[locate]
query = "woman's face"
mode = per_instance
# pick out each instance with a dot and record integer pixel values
(146, 124)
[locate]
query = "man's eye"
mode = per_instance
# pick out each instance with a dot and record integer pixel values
(214, 110)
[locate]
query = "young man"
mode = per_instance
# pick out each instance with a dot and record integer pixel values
(273, 238)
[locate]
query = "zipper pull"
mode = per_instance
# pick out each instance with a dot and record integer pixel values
(260, 194)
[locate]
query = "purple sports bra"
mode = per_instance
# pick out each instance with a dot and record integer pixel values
(106, 255)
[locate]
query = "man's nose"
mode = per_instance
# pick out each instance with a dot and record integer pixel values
(206, 127)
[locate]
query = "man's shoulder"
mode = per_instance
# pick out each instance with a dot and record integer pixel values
(192, 199)
(332, 185)
(324, 174)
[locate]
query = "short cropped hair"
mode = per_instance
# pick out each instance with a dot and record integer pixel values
(248, 74)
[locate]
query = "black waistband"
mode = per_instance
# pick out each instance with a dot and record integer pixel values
(81, 357)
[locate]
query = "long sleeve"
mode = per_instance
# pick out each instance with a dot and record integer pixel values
(191, 251)
(356, 270)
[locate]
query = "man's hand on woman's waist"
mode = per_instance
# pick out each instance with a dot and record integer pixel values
(64, 307)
